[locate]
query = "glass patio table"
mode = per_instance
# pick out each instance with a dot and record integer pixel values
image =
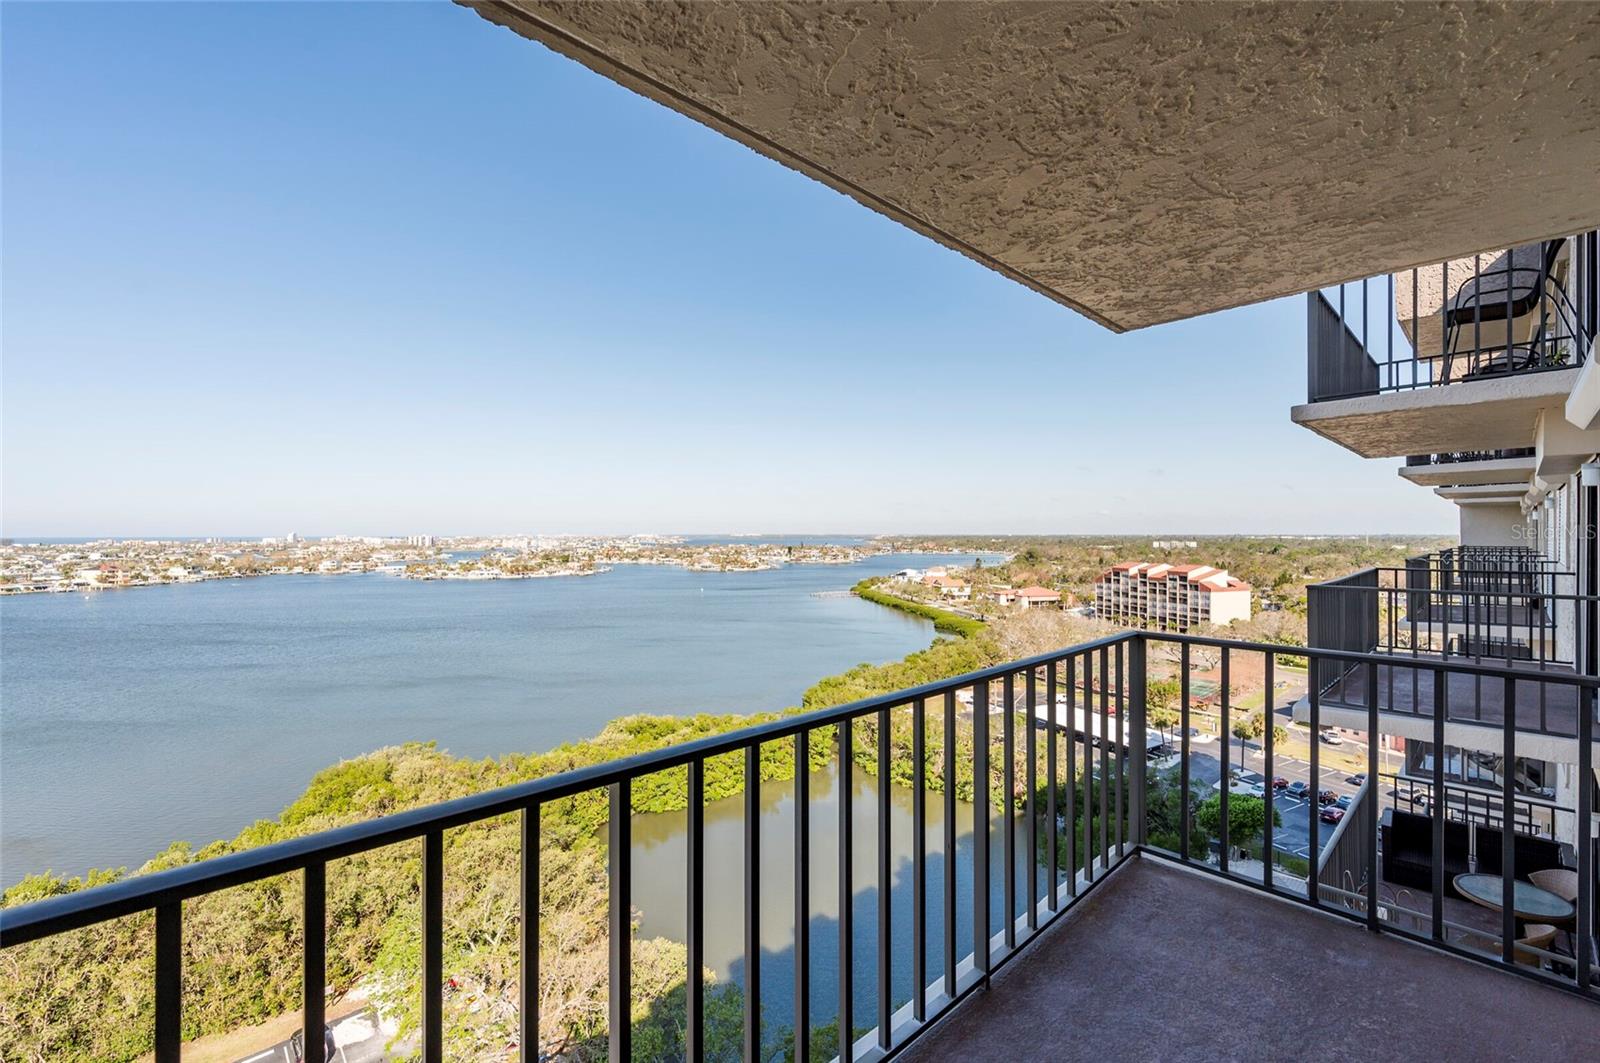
(1530, 903)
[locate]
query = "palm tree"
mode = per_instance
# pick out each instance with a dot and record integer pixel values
(1246, 728)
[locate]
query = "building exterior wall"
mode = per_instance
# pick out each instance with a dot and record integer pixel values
(1492, 525)
(1228, 606)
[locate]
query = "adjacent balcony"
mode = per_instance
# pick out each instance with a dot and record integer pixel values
(1140, 871)
(1471, 468)
(1459, 356)
(1508, 606)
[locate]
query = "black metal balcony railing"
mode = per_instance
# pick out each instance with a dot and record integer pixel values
(1460, 456)
(1454, 605)
(1515, 312)
(1120, 814)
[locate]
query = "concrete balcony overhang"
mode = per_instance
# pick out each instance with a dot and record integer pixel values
(1139, 163)
(1466, 473)
(1485, 494)
(1560, 447)
(1497, 414)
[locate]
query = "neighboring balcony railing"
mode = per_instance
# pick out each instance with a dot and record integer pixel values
(1086, 705)
(1461, 456)
(1483, 317)
(1527, 618)
(1489, 568)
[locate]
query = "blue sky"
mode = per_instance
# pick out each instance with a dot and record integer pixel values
(390, 269)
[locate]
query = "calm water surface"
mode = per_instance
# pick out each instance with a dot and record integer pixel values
(131, 719)
(660, 890)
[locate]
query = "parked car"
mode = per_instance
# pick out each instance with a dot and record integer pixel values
(1331, 738)
(1199, 737)
(1326, 797)
(1344, 801)
(1279, 782)
(1357, 779)
(1238, 784)
(1297, 790)
(1331, 814)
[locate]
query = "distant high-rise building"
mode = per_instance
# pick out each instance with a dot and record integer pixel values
(1170, 597)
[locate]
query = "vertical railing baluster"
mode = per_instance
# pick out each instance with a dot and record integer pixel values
(919, 860)
(1370, 809)
(1477, 312)
(1088, 766)
(620, 842)
(1138, 739)
(1223, 738)
(1029, 809)
(1585, 844)
(1438, 803)
(433, 946)
(169, 982)
(1008, 819)
(1183, 752)
(1052, 842)
(695, 859)
(1388, 361)
(885, 984)
(1105, 757)
(1508, 825)
(528, 939)
(950, 844)
(847, 917)
(980, 828)
(1268, 704)
(1511, 280)
(314, 965)
(802, 895)
(752, 902)
(1313, 814)
(1121, 753)
(1443, 374)
(1072, 777)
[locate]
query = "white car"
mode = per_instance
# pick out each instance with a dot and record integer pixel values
(1198, 737)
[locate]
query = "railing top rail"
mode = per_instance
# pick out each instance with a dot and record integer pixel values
(1351, 578)
(1487, 671)
(143, 892)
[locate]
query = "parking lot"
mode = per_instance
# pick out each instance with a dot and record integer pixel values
(1293, 835)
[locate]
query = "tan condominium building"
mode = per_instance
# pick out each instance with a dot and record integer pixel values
(1170, 597)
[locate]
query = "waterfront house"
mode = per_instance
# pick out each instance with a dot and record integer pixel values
(949, 587)
(1144, 164)
(1035, 597)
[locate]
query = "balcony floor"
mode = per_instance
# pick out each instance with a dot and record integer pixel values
(1548, 707)
(1161, 963)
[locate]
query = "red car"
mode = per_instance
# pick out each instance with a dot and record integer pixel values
(1279, 782)
(1326, 797)
(1331, 814)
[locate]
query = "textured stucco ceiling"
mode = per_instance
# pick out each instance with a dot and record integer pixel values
(1146, 162)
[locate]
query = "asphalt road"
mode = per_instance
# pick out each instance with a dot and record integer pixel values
(357, 1038)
